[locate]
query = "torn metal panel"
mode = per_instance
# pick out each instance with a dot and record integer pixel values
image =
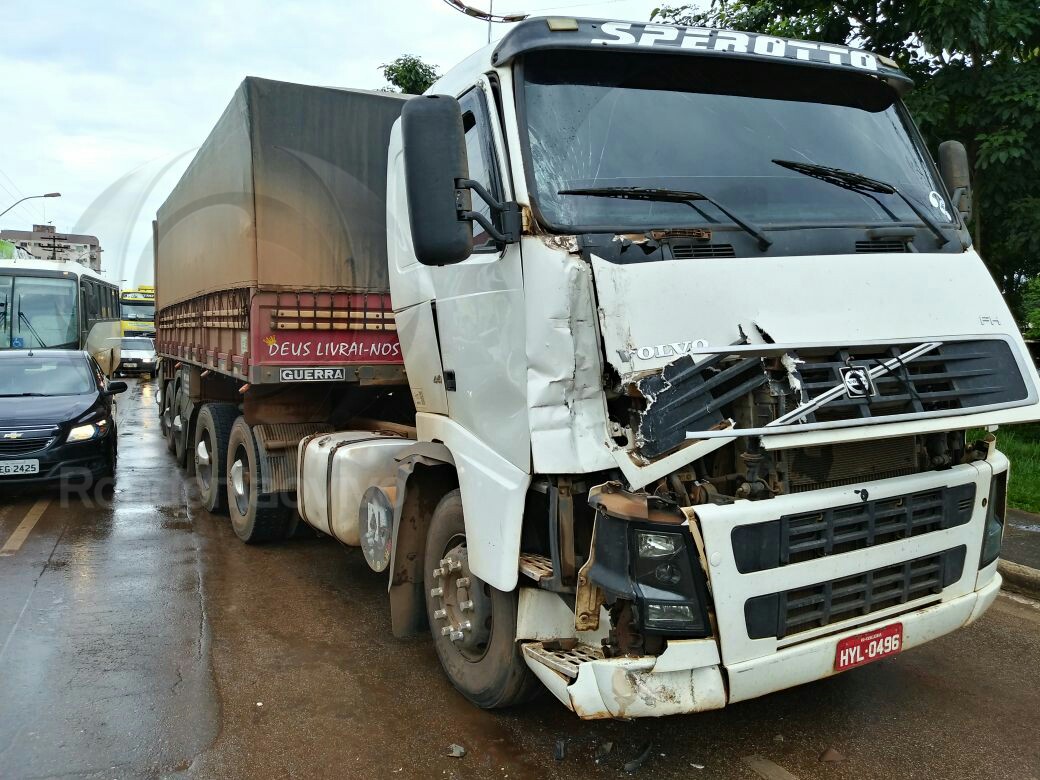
(688, 396)
(612, 498)
(566, 406)
(639, 474)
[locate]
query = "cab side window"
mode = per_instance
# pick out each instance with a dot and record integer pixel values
(483, 165)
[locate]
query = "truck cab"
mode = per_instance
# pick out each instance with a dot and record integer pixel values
(700, 351)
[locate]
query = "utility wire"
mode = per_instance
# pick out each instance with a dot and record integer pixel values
(517, 16)
(573, 5)
(16, 189)
(21, 206)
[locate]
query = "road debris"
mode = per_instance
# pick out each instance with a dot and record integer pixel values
(830, 755)
(560, 750)
(640, 759)
(456, 751)
(603, 751)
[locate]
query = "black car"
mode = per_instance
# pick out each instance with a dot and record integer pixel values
(55, 417)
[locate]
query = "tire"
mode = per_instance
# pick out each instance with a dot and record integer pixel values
(485, 664)
(180, 444)
(106, 482)
(209, 451)
(169, 393)
(181, 407)
(255, 516)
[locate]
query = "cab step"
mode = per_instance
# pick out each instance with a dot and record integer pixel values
(536, 566)
(563, 657)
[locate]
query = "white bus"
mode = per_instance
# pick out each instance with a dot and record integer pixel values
(57, 305)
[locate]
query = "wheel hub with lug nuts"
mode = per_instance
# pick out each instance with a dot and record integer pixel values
(462, 608)
(202, 462)
(238, 482)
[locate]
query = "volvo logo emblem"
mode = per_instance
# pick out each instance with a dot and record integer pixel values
(13, 435)
(857, 381)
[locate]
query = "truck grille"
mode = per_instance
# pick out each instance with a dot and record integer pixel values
(955, 375)
(803, 609)
(688, 396)
(810, 535)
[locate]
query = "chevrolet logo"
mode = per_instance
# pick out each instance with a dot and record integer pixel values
(13, 435)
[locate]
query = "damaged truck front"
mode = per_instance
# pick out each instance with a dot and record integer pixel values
(707, 367)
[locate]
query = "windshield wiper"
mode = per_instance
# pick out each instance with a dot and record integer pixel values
(857, 182)
(21, 395)
(672, 196)
(25, 318)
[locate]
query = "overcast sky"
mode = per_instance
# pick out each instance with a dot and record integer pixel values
(113, 93)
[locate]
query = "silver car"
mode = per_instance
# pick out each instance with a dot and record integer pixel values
(137, 356)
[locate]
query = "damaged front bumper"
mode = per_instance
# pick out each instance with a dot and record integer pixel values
(790, 579)
(688, 676)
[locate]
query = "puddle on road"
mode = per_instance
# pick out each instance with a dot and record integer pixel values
(174, 518)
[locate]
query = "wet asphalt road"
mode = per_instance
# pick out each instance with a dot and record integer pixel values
(139, 638)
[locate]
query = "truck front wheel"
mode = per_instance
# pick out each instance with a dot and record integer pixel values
(212, 432)
(473, 624)
(255, 516)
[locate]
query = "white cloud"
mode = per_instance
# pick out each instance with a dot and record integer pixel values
(92, 91)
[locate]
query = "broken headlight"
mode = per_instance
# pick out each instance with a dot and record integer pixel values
(665, 584)
(655, 567)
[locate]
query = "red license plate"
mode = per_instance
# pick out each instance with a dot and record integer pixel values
(862, 649)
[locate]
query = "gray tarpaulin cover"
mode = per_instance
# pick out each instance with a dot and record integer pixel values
(287, 192)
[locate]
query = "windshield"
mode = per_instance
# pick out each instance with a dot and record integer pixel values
(45, 375)
(143, 345)
(138, 310)
(714, 126)
(38, 312)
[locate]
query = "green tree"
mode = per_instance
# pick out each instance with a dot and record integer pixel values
(1031, 308)
(409, 74)
(977, 68)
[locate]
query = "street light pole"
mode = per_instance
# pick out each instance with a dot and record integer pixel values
(30, 197)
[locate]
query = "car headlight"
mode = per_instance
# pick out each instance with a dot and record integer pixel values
(88, 431)
(996, 509)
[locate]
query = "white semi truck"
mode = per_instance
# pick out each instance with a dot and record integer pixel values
(693, 337)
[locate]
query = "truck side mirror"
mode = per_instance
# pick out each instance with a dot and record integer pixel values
(434, 160)
(956, 175)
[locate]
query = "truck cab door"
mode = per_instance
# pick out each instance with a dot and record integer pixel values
(479, 307)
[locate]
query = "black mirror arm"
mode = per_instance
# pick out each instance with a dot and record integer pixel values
(959, 196)
(510, 211)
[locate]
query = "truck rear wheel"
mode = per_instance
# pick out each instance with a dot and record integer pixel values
(255, 516)
(212, 432)
(473, 624)
(180, 418)
(166, 415)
